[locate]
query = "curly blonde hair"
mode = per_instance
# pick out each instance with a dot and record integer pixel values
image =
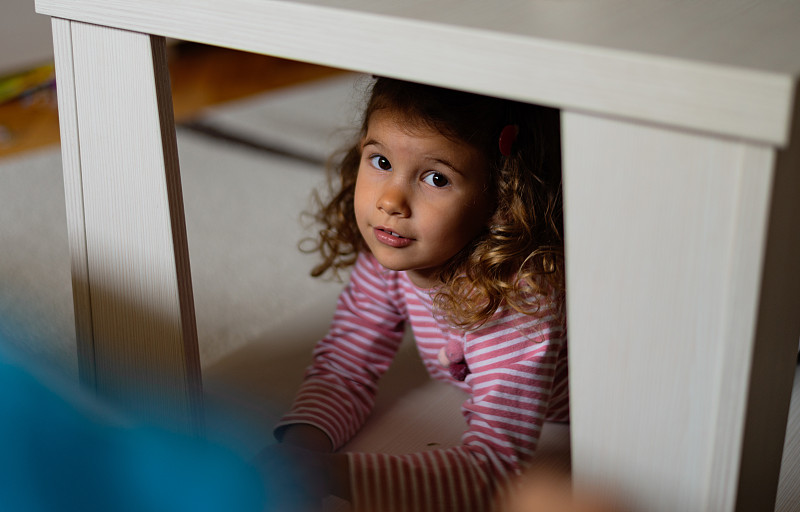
(519, 259)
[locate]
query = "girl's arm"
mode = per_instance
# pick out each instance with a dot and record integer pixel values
(339, 388)
(338, 391)
(518, 379)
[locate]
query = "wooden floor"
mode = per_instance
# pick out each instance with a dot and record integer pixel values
(201, 76)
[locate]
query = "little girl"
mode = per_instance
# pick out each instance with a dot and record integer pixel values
(448, 209)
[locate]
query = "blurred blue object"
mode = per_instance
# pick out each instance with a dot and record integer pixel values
(62, 450)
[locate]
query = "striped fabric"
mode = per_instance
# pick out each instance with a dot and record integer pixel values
(518, 380)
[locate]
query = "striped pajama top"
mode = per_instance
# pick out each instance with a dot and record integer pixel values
(518, 380)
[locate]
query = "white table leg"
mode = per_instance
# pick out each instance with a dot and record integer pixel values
(682, 341)
(132, 285)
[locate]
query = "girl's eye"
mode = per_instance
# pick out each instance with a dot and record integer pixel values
(381, 162)
(436, 179)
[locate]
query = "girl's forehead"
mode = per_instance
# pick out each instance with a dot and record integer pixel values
(388, 120)
(401, 119)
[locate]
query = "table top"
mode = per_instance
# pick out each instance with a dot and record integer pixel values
(722, 67)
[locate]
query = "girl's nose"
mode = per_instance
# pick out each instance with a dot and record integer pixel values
(393, 200)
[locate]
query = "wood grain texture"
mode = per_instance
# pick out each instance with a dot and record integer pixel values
(507, 50)
(142, 310)
(667, 320)
(73, 190)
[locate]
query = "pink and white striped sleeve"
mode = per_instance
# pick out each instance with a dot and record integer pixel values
(339, 388)
(518, 379)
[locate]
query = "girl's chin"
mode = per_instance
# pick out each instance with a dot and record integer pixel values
(391, 265)
(421, 277)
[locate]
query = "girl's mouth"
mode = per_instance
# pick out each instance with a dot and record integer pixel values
(398, 235)
(390, 238)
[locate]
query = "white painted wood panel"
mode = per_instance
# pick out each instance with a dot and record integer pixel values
(136, 258)
(740, 33)
(73, 190)
(495, 49)
(665, 236)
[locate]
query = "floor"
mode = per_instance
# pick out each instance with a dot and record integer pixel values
(201, 76)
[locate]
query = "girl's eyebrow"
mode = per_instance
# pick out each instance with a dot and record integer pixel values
(445, 162)
(371, 142)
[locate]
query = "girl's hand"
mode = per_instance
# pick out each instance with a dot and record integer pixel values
(302, 478)
(287, 484)
(308, 437)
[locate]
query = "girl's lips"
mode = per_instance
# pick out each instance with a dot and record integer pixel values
(391, 239)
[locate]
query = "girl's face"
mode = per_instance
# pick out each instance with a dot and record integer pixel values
(420, 197)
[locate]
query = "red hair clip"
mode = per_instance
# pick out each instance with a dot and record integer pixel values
(508, 135)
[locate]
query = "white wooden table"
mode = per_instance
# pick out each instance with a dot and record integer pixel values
(681, 170)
